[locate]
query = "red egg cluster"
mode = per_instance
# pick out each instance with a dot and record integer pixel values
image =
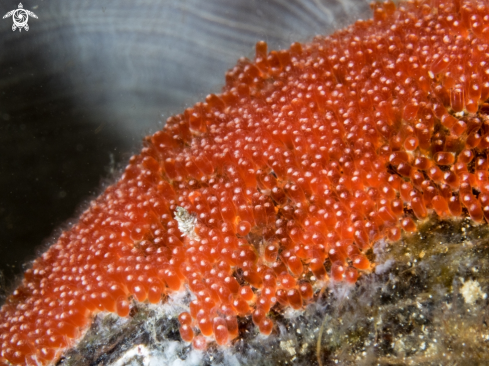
(287, 178)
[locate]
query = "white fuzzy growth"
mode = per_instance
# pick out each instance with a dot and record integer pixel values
(186, 222)
(291, 313)
(170, 356)
(131, 357)
(384, 267)
(340, 290)
(140, 355)
(379, 247)
(471, 291)
(288, 346)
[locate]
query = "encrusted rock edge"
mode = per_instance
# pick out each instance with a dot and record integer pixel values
(425, 304)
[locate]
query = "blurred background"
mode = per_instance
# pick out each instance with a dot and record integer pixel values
(91, 78)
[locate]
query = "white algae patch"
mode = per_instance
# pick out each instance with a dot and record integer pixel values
(138, 355)
(471, 291)
(381, 268)
(186, 222)
(288, 346)
(171, 356)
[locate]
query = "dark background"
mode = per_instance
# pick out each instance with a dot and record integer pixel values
(80, 89)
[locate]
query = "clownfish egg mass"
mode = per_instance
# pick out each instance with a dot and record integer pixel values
(285, 179)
